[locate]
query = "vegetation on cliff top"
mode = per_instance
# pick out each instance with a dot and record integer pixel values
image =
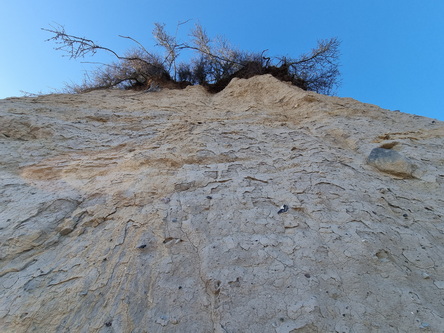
(214, 64)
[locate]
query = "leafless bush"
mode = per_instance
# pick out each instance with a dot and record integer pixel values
(137, 70)
(215, 64)
(318, 69)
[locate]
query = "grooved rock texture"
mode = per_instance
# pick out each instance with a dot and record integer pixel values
(138, 212)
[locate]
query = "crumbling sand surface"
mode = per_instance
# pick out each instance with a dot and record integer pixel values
(125, 211)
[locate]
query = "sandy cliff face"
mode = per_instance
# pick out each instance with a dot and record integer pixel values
(253, 210)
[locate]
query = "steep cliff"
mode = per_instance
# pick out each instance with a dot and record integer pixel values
(263, 208)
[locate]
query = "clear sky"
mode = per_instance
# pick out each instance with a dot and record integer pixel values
(392, 51)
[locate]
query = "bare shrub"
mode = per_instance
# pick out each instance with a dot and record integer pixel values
(318, 69)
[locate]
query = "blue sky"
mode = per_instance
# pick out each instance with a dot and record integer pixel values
(392, 51)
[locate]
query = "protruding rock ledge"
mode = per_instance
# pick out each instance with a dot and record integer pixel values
(392, 162)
